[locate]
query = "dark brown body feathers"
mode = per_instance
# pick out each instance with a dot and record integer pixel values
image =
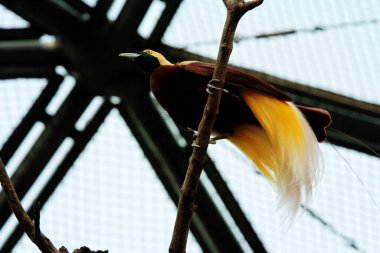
(181, 90)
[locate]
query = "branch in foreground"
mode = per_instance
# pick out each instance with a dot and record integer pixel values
(43, 243)
(32, 230)
(186, 206)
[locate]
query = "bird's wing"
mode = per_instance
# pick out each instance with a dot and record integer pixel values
(234, 78)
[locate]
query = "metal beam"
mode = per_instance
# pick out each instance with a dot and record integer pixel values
(19, 33)
(25, 72)
(124, 30)
(58, 128)
(35, 113)
(163, 23)
(28, 58)
(79, 5)
(99, 12)
(102, 6)
(81, 140)
(29, 53)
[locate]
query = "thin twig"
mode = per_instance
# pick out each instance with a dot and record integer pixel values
(36, 214)
(186, 206)
(25, 221)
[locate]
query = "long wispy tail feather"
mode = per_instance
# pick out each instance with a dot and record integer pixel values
(284, 147)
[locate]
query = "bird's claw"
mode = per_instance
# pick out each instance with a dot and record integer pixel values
(211, 86)
(219, 137)
(195, 136)
(194, 145)
(212, 139)
(192, 131)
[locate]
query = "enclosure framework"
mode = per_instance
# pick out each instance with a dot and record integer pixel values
(87, 44)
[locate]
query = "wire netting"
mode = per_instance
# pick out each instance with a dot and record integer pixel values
(112, 199)
(14, 107)
(334, 45)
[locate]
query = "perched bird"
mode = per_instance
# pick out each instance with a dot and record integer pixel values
(279, 137)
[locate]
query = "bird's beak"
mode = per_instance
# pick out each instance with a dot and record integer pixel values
(131, 56)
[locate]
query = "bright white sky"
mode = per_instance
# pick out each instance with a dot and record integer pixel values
(341, 60)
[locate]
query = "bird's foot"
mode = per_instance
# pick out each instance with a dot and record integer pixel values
(195, 135)
(192, 131)
(212, 139)
(219, 137)
(211, 86)
(194, 145)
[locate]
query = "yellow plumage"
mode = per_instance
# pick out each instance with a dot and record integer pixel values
(284, 148)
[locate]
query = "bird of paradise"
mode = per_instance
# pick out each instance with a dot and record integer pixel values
(279, 137)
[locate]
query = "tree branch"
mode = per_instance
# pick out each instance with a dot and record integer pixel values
(43, 243)
(186, 206)
(253, 4)
(31, 229)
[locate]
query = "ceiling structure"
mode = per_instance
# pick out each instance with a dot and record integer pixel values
(87, 44)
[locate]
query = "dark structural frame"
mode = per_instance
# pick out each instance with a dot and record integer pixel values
(88, 44)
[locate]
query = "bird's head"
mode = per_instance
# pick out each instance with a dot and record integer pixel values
(148, 59)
